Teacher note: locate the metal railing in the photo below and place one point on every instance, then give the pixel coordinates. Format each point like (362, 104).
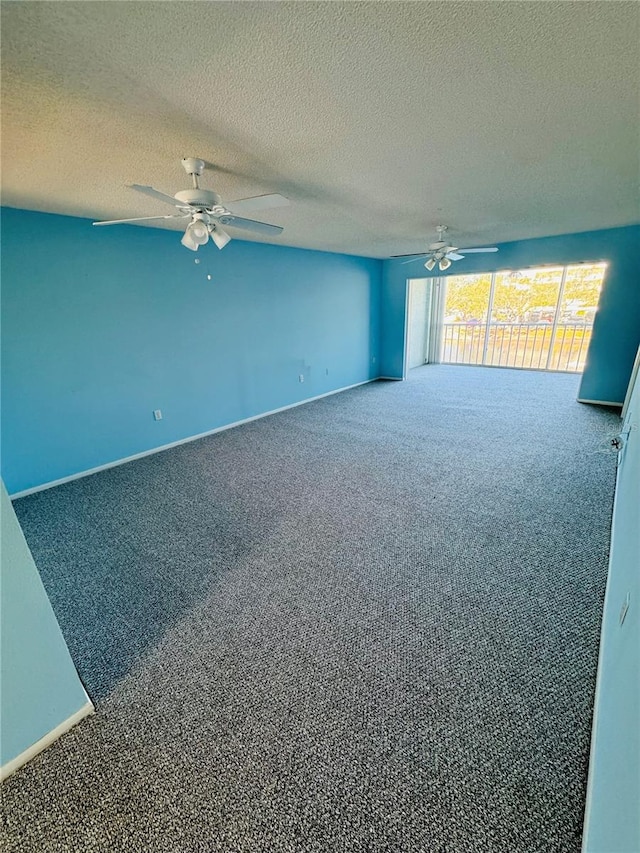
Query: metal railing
(534, 346)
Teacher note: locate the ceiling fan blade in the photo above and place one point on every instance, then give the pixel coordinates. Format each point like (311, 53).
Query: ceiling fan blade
(142, 219)
(258, 202)
(454, 256)
(478, 251)
(251, 225)
(435, 246)
(414, 258)
(169, 199)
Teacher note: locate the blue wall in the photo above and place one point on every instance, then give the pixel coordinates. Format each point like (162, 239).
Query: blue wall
(616, 331)
(394, 295)
(40, 686)
(612, 819)
(103, 325)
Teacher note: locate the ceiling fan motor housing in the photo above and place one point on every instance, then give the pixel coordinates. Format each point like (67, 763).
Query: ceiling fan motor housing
(198, 198)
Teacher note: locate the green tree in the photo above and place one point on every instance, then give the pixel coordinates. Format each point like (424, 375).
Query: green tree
(468, 297)
(518, 295)
(525, 295)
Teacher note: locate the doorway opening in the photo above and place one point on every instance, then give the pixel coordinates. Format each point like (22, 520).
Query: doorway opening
(535, 319)
(419, 327)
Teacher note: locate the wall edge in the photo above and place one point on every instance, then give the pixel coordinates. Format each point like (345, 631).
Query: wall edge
(20, 760)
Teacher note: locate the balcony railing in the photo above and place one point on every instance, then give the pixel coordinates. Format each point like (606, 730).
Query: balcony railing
(534, 346)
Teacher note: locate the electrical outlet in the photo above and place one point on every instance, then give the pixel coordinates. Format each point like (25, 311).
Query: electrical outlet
(301, 377)
(157, 414)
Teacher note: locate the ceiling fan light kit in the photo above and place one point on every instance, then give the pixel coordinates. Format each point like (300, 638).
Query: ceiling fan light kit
(206, 212)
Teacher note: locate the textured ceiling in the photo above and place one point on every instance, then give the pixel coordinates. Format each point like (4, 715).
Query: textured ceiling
(378, 120)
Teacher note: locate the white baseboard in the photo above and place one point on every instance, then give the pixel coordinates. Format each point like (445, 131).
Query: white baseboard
(17, 762)
(393, 378)
(162, 447)
(599, 402)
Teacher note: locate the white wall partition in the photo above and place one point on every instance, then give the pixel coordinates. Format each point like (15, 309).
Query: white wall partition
(612, 817)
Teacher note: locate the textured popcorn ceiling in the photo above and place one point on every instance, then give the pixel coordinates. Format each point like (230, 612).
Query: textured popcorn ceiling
(378, 120)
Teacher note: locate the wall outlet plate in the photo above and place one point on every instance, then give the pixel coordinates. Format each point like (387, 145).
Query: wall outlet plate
(157, 414)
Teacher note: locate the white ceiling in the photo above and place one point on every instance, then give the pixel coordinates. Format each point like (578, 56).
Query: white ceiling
(378, 120)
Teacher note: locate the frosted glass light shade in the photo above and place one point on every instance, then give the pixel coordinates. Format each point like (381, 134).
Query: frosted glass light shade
(196, 235)
(219, 236)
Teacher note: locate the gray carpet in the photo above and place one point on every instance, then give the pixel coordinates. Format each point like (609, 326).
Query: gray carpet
(366, 624)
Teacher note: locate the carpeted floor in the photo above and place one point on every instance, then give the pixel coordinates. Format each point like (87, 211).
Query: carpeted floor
(366, 624)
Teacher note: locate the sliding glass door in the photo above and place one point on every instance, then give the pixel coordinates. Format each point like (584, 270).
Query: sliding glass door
(538, 319)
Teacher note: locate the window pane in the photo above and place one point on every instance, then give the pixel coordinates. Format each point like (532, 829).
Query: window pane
(465, 317)
(577, 311)
(467, 298)
(524, 307)
(526, 296)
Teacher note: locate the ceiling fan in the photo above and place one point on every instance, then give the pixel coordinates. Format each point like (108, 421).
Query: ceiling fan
(442, 252)
(206, 212)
